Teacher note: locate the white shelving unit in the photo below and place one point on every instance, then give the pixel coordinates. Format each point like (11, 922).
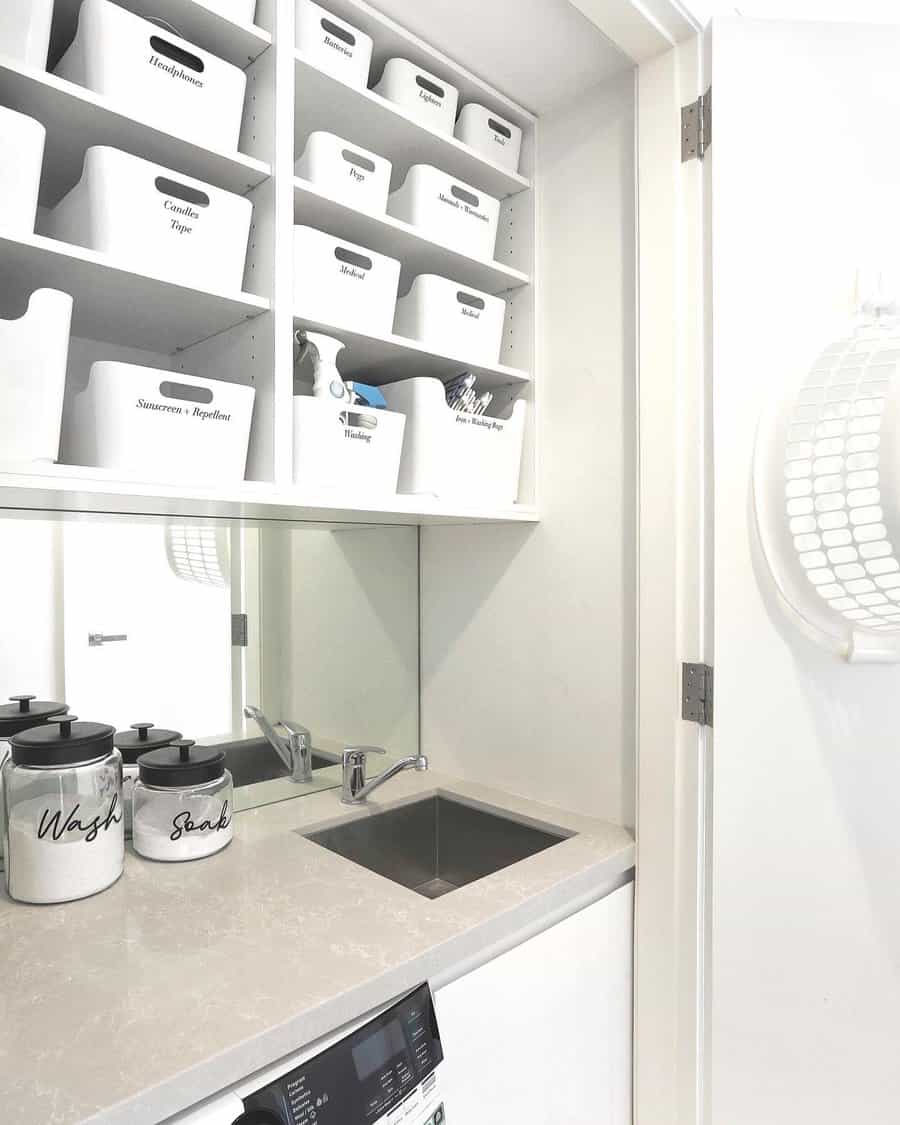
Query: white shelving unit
(247, 337)
(76, 118)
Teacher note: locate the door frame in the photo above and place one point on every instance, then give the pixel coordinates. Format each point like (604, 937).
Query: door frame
(674, 597)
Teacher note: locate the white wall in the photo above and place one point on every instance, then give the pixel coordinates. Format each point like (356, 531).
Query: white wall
(528, 632)
(806, 857)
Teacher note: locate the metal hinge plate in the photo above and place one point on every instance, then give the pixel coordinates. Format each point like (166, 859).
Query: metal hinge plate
(239, 629)
(696, 127)
(697, 694)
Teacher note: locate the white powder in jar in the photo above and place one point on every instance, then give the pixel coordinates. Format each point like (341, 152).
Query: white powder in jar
(60, 850)
(174, 827)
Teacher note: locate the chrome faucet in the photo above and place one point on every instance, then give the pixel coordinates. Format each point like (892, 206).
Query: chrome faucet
(355, 787)
(295, 750)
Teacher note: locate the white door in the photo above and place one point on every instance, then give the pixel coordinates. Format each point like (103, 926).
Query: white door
(157, 602)
(805, 947)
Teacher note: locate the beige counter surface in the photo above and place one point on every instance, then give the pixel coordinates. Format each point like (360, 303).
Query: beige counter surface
(127, 1007)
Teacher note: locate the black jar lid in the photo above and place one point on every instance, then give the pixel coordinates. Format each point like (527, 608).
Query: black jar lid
(24, 711)
(62, 742)
(141, 738)
(181, 765)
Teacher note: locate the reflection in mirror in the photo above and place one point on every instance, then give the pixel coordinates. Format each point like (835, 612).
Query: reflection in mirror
(187, 624)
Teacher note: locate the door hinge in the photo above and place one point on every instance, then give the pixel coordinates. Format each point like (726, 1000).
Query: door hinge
(697, 694)
(239, 630)
(696, 127)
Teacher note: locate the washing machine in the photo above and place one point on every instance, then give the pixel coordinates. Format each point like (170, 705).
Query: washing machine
(385, 1071)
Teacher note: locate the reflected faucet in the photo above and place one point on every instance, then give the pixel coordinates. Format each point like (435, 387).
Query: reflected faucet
(295, 750)
(355, 788)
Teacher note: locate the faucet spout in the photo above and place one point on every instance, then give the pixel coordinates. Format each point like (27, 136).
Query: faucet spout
(355, 788)
(295, 751)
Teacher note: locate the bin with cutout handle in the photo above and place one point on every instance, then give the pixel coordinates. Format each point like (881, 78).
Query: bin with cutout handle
(333, 45)
(490, 134)
(155, 220)
(156, 76)
(342, 284)
(452, 319)
(153, 425)
(424, 96)
(342, 170)
(448, 210)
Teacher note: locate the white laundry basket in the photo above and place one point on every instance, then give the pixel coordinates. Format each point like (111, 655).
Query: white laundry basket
(349, 449)
(344, 284)
(449, 454)
(34, 350)
(158, 425)
(22, 144)
(155, 76)
(344, 171)
(25, 30)
(490, 134)
(452, 319)
(422, 95)
(448, 210)
(333, 45)
(151, 218)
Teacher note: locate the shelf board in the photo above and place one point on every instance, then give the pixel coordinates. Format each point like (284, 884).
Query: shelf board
(367, 119)
(386, 359)
(69, 488)
(387, 235)
(76, 118)
(194, 20)
(113, 303)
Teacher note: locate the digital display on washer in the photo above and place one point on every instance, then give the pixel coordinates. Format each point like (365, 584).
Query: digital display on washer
(361, 1078)
(379, 1048)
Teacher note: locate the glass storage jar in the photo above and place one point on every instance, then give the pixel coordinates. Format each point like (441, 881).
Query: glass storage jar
(141, 738)
(182, 803)
(64, 836)
(22, 712)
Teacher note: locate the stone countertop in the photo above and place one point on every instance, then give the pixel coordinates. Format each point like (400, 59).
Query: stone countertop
(124, 1008)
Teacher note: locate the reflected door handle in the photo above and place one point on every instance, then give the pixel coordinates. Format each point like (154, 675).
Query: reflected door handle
(95, 639)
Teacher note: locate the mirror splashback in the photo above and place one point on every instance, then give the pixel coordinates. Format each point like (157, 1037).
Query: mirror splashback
(183, 623)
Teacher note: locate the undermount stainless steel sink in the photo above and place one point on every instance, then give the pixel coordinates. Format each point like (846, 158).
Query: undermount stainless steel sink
(436, 845)
(254, 760)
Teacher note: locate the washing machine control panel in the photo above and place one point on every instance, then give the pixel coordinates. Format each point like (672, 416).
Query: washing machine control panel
(384, 1072)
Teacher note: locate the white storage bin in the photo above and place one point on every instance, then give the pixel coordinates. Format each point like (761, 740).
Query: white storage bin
(156, 76)
(344, 284)
(332, 45)
(159, 425)
(447, 210)
(452, 319)
(22, 144)
(449, 454)
(490, 134)
(424, 96)
(349, 449)
(345, 171)
(25, 30)
(153, 219)
(33, 354)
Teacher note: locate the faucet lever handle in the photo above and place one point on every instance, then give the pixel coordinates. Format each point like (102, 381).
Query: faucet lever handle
(296, 730)
(357, 754)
